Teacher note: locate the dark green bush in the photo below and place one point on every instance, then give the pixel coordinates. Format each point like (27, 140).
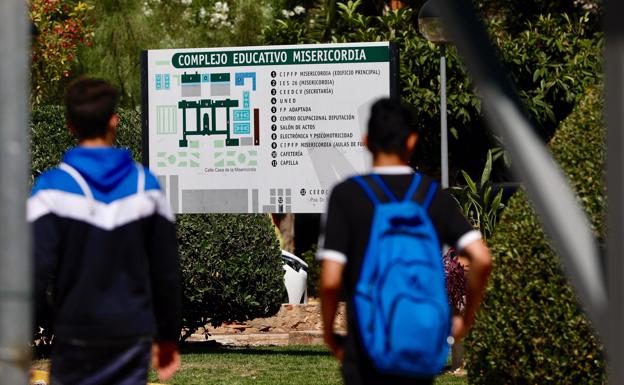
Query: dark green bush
(49, 137)
(530, 329)
(314, 271)
(231, 266)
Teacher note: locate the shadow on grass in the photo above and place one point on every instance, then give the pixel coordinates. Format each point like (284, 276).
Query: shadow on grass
(210, 347)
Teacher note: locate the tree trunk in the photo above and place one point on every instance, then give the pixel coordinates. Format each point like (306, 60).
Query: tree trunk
(287, 228)
(397, 4)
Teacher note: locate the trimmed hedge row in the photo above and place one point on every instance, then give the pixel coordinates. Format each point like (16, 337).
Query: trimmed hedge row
(530, 329)
(231, 266)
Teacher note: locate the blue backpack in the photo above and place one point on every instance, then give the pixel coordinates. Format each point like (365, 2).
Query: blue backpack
(400, 299)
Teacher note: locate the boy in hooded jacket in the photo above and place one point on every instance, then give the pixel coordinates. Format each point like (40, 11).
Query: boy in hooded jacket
(106, 258)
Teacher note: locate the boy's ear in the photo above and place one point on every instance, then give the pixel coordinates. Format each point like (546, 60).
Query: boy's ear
(365, 141)
(113, 121)
(412, 140)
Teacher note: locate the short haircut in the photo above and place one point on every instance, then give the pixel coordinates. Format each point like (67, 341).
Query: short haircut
(389, 126)
(89, 105)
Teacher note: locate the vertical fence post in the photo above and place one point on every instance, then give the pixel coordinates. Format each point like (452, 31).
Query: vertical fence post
(15, 257)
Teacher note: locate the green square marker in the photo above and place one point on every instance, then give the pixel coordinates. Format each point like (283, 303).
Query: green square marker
(225, 77)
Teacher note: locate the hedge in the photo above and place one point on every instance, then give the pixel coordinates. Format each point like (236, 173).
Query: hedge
(531, 329)
(231, 266)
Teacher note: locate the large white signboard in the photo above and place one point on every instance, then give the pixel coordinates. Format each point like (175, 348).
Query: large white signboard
(260, 129)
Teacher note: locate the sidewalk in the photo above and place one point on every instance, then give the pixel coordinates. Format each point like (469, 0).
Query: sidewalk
(292, 325)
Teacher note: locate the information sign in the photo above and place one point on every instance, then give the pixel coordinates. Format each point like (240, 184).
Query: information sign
(260, 129)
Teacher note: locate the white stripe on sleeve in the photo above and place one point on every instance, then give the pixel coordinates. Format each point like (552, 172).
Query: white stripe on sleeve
(331, 255)
(466, 239)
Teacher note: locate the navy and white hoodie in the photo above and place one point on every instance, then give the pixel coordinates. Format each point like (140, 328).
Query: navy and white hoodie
(111, 246)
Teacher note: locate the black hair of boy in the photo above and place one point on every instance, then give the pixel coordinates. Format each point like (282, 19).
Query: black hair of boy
(389, 126)
(89, 105)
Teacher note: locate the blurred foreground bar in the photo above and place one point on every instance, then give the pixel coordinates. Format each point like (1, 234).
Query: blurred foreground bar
(15, 257)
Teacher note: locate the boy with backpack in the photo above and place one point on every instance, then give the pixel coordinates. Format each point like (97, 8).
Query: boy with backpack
(381, 245)
(105, 250)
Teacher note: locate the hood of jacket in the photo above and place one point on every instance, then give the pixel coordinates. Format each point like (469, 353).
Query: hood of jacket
(102, 167)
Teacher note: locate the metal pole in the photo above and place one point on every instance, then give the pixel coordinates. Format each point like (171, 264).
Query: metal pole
(443, 124)
(614, 86)
(15, 257)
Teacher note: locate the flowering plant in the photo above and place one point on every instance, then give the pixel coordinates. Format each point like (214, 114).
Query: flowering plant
(455, 281)
(62, 27)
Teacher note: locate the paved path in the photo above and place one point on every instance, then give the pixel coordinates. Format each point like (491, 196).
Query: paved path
(305, 337)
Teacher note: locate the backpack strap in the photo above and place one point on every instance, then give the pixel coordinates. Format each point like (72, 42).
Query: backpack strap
(433, 187)
(375, 188)
(421, 192)
(411, 191)
(379, 181)
(367, 189)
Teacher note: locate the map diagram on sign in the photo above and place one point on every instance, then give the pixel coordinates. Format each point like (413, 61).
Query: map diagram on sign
(214, 107)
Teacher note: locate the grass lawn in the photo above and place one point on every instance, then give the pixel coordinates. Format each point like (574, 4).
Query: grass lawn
(289, 365)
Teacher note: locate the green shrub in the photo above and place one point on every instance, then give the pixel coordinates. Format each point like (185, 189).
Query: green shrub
(231, 266)
(49, 137)
(530, 329)
(314, 271)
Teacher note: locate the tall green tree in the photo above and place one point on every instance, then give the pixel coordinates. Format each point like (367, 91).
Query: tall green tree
(120, 35)
(124, 28)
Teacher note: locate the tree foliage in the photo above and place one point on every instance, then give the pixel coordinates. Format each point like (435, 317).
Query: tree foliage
(127, 27)
(63, 26)
(550, 62)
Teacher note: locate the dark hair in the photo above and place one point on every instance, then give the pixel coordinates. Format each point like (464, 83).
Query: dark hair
(89, 105)
(389, 126)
